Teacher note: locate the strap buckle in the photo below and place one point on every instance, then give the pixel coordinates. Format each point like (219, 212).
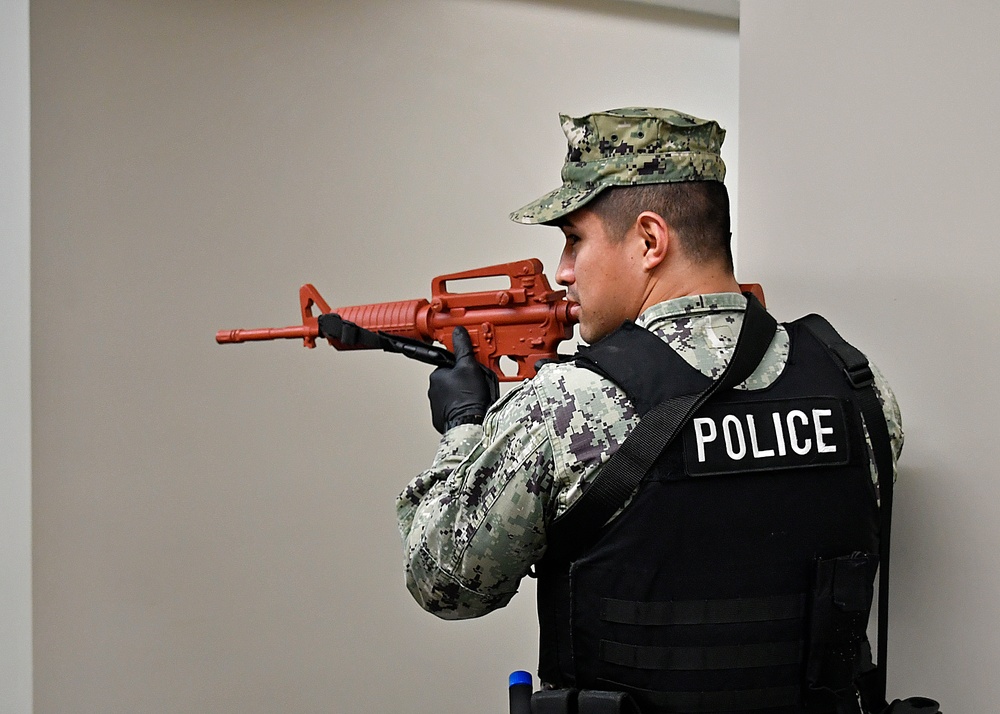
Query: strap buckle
(859, 375)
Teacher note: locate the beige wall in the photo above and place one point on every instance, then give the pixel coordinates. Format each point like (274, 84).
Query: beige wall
(869, 164)
(15, 356)
(214, 526)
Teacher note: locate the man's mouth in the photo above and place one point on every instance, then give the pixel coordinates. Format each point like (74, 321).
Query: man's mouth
(574, 306)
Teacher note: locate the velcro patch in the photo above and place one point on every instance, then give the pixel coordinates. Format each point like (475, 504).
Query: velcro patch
(768, 435)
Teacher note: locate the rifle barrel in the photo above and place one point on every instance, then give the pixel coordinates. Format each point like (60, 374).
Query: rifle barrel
(224, 337)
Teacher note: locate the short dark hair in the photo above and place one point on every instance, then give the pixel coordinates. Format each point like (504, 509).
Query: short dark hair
(697, 210)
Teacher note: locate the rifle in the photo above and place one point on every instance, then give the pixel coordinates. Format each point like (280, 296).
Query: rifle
(524, 321)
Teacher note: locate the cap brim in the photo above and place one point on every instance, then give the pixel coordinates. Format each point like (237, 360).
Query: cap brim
(556, 204)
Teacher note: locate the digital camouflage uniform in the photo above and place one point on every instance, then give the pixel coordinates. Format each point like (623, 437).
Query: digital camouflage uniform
(475, 522)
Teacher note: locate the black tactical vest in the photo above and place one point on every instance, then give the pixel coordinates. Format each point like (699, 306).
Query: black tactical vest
(739, 577)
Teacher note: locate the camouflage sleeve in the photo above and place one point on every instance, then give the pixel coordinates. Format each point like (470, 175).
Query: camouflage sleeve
(474, 523)
(893, 418)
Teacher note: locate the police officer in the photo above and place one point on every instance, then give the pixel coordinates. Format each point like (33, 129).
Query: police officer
(715, 586)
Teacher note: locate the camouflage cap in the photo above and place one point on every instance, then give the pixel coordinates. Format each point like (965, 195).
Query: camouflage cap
(625, 147)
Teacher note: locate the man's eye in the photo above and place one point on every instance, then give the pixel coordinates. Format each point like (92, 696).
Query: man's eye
(572, 239)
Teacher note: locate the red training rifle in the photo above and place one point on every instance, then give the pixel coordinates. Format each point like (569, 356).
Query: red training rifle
(524, 321)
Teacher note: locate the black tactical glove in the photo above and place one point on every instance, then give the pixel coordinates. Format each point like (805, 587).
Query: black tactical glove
(461, 394)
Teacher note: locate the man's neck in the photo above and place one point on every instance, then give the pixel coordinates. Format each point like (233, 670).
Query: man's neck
(703, 280)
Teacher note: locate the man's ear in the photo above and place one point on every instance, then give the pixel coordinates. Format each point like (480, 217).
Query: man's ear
(657, 238)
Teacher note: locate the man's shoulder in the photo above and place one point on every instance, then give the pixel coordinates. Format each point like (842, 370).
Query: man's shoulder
(567, 379)
(574, 399)
(554, 394)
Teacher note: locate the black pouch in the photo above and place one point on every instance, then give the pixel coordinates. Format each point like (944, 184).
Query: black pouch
(872, 702)
(593, 701)
(584, 701)
(839, 607)
(914, 705)
(554, 701)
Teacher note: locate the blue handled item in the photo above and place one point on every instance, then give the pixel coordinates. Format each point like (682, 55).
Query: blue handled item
(520, 692)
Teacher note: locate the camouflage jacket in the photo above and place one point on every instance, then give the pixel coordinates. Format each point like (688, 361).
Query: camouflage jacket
(475, 521)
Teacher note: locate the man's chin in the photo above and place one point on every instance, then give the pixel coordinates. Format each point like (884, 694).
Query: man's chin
(589, 334)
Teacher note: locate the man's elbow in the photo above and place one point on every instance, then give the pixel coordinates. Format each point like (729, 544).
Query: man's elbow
(452, 601)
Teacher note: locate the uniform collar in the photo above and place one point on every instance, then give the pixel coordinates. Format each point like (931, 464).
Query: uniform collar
(691, 305)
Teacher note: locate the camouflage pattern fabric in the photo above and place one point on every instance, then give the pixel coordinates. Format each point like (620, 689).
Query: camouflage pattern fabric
(475, 522)
(626, 147)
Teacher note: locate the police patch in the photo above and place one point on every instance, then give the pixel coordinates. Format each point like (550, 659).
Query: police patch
(768, 435)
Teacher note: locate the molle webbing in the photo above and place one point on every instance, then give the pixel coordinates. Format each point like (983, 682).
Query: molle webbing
(703, 612)
(733, 611)
(733, 700)
(760, 654)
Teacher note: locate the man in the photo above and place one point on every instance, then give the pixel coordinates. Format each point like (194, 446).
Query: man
(696, 595)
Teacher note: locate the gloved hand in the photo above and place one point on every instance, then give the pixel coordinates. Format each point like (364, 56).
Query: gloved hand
(461, 394)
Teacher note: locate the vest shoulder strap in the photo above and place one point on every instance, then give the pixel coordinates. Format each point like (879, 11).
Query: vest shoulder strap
(614, 484)
(859, 374)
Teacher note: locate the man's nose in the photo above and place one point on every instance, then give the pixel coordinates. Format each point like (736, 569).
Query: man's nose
(564, 273)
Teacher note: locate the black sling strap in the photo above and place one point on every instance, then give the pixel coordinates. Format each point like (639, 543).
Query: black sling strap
(859, 374)
(627, 467)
